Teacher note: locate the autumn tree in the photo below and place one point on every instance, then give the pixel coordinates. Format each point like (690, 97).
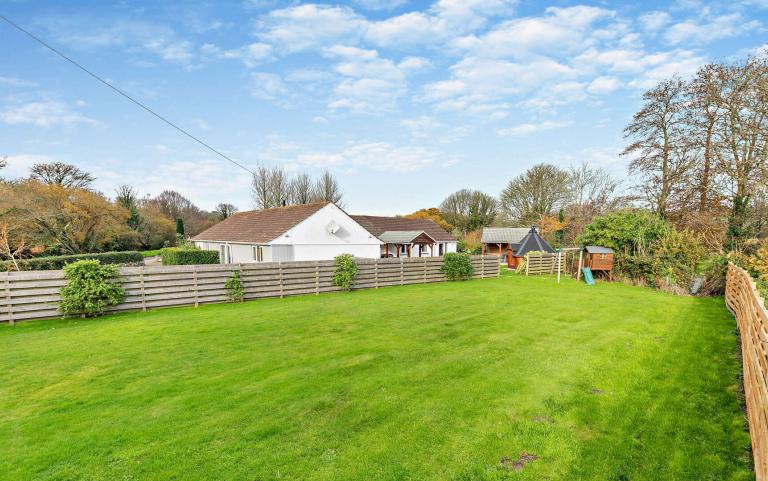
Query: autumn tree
(590, 191)
(539, 191)
(59, 173)
(175, 206)
(469, 210)
(433, 214)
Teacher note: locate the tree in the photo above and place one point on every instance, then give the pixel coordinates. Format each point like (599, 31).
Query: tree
(301, 189)
(590, 191)
(469, 210)
(703, 116)
(67, 220)
(180, 227)
(537, 192)
(222, 211)
(270, 187)
(59, 173)
(127, 197)
(433, 214)
(741, 93)
(175, 206)
(327, 189)
(661, 149)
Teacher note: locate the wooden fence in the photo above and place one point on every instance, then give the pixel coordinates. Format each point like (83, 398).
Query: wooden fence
(543, 263)
(748, 307)
(35, 294)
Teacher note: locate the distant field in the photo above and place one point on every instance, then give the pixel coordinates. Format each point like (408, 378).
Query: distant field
(510, 378)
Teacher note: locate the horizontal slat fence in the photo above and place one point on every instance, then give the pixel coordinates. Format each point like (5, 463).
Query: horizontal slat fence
(543, 263)
(35, 294)
(745, 302)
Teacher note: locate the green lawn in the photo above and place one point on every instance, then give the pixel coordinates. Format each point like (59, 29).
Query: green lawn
(152, 253)
(451, 381)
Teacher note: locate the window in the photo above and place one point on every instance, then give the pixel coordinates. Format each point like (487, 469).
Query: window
(402, 249)
(258, 254)
(440, 249)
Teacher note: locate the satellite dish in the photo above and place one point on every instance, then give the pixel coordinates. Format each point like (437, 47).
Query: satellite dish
(332, 228)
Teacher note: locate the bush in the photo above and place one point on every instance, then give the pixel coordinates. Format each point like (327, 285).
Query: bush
(127, 258)
(345, 271)
(235, 288)
(91, 286)
(457, 266)
(174, 256)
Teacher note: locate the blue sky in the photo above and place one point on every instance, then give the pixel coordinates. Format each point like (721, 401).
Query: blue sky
(404, 101)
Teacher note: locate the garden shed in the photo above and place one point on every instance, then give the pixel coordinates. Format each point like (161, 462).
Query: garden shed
(532, 242)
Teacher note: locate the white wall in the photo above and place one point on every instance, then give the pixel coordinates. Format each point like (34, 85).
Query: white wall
(311, 239)
(239, 253)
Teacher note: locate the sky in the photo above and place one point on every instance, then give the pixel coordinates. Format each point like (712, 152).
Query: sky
(403, 101)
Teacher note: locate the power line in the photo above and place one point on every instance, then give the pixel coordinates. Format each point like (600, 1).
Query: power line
(73, 62)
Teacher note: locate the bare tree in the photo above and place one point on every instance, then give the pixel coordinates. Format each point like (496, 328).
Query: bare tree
(3, 161)
(327, 189)
(591, 191)
(59, 173)
(539, 191)
(469, 210)
(742, 134)
(661, 149)
(126, 196)
(301, 189)
(222, 211)
(11, 249)
(270, 187)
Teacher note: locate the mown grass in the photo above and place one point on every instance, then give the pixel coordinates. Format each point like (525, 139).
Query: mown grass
(151, 253)
(428, 382)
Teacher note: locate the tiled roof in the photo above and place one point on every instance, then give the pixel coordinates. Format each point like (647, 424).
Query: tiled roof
(259, 226)
(504, 235)
(378, 225)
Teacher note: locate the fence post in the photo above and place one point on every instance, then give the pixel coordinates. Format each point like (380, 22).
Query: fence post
(280, 273)
(8, 298)
(376, 273)
(527, 263)
(317, 277)
(143, 294)
(425, 269)
(194, 284)
(402, 271)
(482, 267)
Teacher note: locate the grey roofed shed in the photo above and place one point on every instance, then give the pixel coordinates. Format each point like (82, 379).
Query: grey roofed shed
(503, 235)
(401, 236)
(532, 242)
(598, 250)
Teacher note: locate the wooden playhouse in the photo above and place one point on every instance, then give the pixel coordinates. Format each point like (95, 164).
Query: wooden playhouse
(599, 260)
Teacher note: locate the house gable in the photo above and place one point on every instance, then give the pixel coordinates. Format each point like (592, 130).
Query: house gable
(329, 225)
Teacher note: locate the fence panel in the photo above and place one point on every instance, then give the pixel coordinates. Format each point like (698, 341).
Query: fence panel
(544, 263)
(35, 294)
(747, 306)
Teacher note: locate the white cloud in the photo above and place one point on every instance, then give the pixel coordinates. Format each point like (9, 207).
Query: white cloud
(320, 120)
(19, 164)
(380, 4)
(15, 82)
(268, 86)
(559, 30)
(377, 156)
(251, 55)
(420, 127)
(653, 21)
(604, 84)
(722, 26)
(43, 114)
(309, 26)
(414, 63)
(532, 128)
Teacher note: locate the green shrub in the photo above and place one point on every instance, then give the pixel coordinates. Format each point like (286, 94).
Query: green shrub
(128, 258)
(345, 271)
(235, 288)
(91, 286)
(457, 266)
(174, 256)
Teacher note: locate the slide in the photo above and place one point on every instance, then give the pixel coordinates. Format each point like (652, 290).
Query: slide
(588, 276)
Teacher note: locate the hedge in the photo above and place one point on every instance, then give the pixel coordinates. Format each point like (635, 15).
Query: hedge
(129, 258)
(174, 256)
